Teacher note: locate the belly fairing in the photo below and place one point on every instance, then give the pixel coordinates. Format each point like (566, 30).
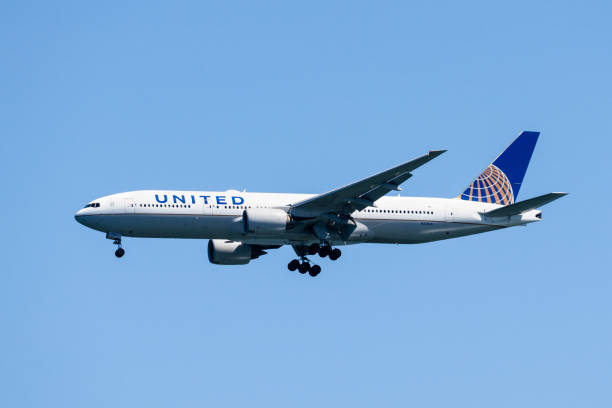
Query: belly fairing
(231, 227)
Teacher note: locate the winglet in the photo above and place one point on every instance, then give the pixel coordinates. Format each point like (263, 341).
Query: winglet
(436, 153)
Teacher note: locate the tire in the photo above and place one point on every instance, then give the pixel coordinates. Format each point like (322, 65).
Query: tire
(303, 268)
(313, 249)
(324, 251)
(293, 265)
(335, 254)
(314, 270)
(119, 252)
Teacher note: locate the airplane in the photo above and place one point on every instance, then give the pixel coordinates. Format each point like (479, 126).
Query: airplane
(242, 226)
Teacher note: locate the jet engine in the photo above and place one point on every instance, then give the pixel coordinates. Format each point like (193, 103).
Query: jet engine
(225, 252)
(265, 221)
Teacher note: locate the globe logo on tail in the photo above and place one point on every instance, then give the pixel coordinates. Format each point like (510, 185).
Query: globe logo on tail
(492, 186)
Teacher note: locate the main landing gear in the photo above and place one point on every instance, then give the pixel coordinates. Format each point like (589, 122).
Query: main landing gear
(302, 265)
(116, 241)
(324, 250)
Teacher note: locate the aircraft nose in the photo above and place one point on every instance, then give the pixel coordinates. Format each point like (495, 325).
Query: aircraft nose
(80, 217)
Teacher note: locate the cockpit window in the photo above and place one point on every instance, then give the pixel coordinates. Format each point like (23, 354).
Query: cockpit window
(93, 205)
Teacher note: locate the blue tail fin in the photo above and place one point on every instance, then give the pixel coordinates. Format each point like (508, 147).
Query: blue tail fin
(501, 181)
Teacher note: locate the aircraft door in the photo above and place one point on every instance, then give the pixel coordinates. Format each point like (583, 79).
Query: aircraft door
(450, 214)
(130, 205)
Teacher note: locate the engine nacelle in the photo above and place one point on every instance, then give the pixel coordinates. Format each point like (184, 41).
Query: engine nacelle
(265, 221)
(225, 252)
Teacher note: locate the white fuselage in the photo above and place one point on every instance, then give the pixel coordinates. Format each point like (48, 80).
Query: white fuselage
(218, 215)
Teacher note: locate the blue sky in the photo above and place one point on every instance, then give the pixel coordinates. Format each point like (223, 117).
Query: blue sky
(270, 96)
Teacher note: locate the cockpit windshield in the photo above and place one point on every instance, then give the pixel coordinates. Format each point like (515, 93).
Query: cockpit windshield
(93, 205)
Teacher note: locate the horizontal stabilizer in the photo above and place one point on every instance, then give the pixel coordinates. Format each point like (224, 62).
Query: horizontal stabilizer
(522, 206)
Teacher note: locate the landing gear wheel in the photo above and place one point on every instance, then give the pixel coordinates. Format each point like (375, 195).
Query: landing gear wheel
(119, 252)
(293, 265)
(335, 254)
(313, 249)
(304, 267)
(324, 251)
(314, 270)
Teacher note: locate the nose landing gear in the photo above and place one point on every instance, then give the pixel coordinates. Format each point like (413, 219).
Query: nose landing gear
(116, 241)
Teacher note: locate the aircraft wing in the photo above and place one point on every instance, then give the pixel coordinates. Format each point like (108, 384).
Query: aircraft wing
(362, 193)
